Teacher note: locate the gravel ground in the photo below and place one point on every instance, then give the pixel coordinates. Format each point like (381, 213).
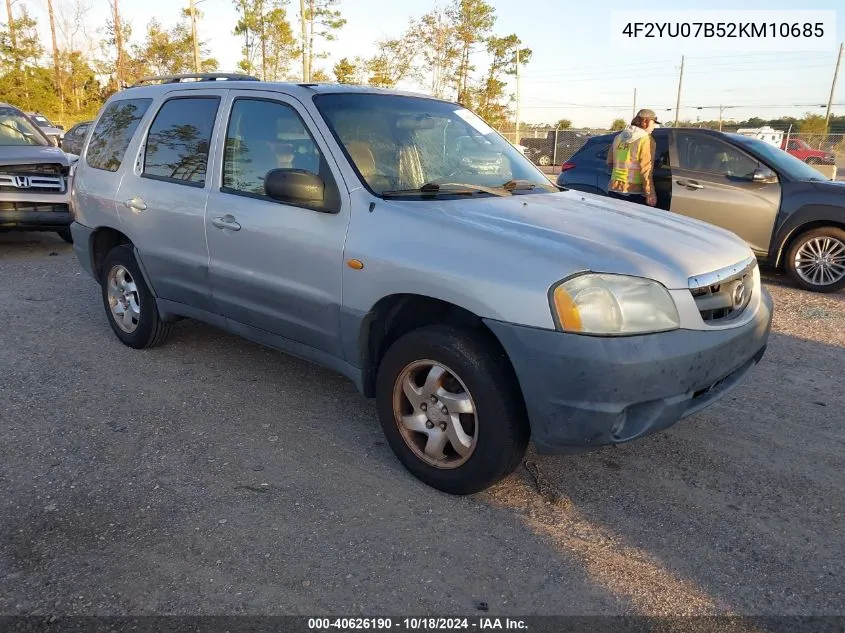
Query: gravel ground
(214, 476)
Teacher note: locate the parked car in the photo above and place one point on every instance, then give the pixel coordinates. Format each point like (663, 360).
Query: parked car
(478, 312)
(75, 137)
(34, 188)
(785, 210)
(799, 148)
(55, 133)
(557, 147)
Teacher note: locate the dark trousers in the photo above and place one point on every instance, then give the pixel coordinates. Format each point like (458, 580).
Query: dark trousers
(636, 198)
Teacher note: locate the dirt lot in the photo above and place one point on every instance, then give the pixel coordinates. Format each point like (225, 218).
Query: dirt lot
(215, 476)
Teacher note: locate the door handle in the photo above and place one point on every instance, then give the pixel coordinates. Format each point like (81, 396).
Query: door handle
(226, 222)
(689, 183)
(136, 204)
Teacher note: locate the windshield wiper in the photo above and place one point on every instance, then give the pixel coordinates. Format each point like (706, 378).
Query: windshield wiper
(446, 189)
(519, 185)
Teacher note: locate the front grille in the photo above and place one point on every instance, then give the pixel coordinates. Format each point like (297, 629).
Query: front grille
(48, 169)
(32, 179)
(723, 295)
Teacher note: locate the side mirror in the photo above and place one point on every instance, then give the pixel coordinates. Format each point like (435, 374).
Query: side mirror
(295, 186)
(764, 175)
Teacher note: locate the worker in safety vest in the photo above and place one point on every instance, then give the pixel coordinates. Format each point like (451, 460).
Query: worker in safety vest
(631, 158)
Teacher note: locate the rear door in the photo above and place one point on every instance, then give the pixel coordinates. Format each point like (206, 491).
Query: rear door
(712, 181)
(162, 197)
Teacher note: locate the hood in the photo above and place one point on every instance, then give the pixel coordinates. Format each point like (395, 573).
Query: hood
(32, 154)
(591, 232)
(632, 133)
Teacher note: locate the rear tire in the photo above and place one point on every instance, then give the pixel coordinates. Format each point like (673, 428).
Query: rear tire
(129, 304)
(816, 260)
(473, 376)
(544, 161)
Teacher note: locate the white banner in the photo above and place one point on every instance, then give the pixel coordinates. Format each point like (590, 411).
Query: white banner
(693, 31)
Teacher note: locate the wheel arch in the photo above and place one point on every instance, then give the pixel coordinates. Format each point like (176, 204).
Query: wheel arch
(395, 315)
(810, 222)
(103, 240)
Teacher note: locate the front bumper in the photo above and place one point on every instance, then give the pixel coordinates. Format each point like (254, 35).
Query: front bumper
(582, 392)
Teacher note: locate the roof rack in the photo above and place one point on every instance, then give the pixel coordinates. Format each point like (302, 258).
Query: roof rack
(175, 79)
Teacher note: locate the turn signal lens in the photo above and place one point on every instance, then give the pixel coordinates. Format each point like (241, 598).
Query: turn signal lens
(567, 311)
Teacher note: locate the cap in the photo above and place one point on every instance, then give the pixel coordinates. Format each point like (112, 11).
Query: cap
(645, 113)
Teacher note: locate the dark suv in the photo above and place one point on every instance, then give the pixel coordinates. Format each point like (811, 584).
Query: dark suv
(789, 214)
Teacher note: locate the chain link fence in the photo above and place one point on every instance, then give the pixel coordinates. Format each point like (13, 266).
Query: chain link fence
(550, 147)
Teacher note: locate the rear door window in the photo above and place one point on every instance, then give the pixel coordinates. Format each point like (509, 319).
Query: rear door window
(179, 139)
(114, 132)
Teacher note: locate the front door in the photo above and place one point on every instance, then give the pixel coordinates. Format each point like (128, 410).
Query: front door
(162, 198)
(712, 181)
(276, 266)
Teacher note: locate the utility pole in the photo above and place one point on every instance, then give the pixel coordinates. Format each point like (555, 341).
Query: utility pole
(56, 71)
(118, 40)
(311, 17)
(635, 104)
(12, 36)
(516, 139)
(305, 70)
(721, 109)
(263, 47)
(833, 88)
(678, 102)
(194, 37)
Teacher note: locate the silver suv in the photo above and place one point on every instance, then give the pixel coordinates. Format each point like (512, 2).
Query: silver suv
(399, 240)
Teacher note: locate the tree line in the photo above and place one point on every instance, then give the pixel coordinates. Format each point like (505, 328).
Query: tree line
(454, 50)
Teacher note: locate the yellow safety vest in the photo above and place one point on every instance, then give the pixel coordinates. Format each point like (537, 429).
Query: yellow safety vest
(624, 168)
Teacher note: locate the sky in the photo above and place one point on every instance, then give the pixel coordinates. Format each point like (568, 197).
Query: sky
(575, 72)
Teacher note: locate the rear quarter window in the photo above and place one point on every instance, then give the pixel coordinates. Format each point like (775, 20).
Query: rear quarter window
(601, 150)
(114, 132)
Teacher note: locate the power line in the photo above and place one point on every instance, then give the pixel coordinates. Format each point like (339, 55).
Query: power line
(732, 62)
(607, 75)
(616, 68)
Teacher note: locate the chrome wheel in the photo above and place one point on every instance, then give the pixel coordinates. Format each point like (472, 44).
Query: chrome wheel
(435, 414)
(123, 299)
(821, 261)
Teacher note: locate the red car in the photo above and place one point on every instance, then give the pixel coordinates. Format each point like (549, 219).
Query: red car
(800, 149)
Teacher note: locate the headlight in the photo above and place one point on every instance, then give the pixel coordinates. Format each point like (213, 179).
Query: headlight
(612, 305)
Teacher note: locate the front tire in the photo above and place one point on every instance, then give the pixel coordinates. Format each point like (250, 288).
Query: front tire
(451, 409)
(816, 260)
(129, 304)
(813, 160)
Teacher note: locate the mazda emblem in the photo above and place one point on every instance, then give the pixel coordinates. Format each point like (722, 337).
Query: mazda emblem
(738, 294)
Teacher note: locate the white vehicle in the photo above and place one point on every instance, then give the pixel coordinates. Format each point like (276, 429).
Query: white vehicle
(766, 134)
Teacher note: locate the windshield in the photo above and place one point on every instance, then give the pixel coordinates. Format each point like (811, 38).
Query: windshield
(793, 167)
(398, 144)
(16, 129)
